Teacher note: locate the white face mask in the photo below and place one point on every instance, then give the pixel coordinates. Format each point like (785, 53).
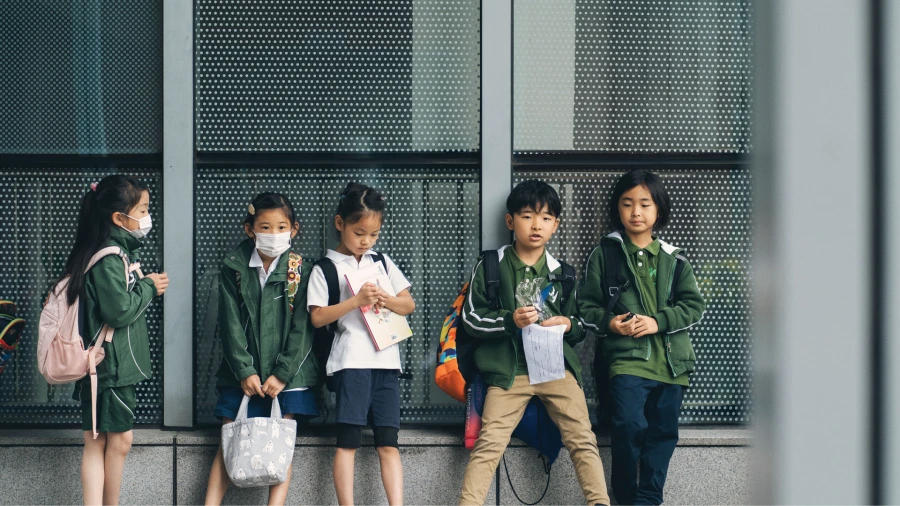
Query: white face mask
(144, 226)
(273, 245)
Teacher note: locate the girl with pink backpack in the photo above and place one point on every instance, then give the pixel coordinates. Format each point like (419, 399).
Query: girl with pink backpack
(113, 302)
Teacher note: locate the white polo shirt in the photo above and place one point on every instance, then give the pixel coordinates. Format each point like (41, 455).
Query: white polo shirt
(353, 347)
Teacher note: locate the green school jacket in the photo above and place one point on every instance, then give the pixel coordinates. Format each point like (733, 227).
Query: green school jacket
(122, 304)
(496, 356)
(674, 320)
(259, 333)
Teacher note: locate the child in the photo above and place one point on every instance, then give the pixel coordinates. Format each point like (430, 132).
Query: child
(645, 339)
(114, 212)
(365, 380)
(534, 208)
(266, 343)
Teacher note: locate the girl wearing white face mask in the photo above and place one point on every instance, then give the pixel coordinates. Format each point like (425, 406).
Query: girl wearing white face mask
(265, 329)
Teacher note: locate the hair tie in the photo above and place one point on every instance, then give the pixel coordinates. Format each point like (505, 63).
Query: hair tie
(342, 197)
(94, 186)
(251, 210)
(383, 197)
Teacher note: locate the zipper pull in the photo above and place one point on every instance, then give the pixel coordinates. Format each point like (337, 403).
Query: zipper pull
(669, 346)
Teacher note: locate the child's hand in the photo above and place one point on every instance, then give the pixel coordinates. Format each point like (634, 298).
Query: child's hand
(621, 327)
(557, 320)
(383, 298)
(525, 316)
(273, 386)
(367, 295)
(250, 385)
(646, 325)
(160, 280)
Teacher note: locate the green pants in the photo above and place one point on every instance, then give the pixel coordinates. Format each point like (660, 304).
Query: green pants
(115, 408)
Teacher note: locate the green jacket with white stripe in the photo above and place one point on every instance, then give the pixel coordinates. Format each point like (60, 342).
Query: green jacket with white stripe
(674, 317)
(260, 335)
(122, 304)
(496, 356)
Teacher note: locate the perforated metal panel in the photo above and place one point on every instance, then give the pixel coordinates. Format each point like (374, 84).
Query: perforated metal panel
(632, 76)
(431, 231)
(38, 224)
(337, 75)
(711, 213)
(81, 76)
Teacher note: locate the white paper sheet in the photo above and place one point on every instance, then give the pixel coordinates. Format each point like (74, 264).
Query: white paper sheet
(544, 353)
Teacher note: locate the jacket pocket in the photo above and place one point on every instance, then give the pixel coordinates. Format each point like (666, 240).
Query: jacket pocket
(615, 346)
(682, 349)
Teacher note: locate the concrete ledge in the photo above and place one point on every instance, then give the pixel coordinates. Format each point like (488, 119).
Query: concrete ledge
(444, 436)
(711, 466)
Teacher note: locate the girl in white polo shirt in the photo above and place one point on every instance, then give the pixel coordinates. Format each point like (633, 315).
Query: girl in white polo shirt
(365, 380)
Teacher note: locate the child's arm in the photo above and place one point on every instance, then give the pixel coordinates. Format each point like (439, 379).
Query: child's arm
(689, 304)
(480, 320)
(324, 315)
(403, 304)
(118, 306)
(297, 348)
(592, 301)
(231, 328)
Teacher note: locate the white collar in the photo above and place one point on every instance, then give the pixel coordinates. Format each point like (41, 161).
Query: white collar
(336, 257)
(256, 261)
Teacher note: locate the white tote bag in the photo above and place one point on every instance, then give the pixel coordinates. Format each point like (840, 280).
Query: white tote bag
(258, 451)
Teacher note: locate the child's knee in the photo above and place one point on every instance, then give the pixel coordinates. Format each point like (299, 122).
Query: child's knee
(386, 437)
(120, 442)
(349, 437)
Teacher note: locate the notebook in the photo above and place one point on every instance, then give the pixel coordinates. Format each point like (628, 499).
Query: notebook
(386, 327)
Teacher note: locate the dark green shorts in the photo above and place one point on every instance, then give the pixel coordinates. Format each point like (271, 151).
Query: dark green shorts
(115, 408)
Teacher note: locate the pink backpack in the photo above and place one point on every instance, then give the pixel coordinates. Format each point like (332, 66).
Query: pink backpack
(61, 355)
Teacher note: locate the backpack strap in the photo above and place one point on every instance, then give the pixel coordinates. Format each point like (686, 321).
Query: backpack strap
(105, 331)
(491, 264)
(295, 264)
(331, 280)
(377, 256)
(567, 279)
(680, 260)
(616, 284)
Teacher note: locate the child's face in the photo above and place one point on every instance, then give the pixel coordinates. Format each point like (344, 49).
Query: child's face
(638, 211)
(130, 222)
(533, 228)
(359, 237)
(271, 221)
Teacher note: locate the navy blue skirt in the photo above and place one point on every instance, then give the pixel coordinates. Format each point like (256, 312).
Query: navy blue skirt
(301, 404)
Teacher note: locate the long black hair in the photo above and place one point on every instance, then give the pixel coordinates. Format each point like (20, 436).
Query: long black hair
(358, 200)
(114, 194)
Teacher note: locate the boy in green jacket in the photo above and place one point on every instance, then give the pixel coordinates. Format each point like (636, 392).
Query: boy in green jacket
(534, 208)
(644, 338)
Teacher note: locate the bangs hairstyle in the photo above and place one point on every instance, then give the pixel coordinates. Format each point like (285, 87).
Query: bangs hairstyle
(534, 194)
(270, 200)
(640, 177)
(113, 194)
(358, 200)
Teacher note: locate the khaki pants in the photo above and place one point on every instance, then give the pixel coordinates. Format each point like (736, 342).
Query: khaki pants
(503, 409)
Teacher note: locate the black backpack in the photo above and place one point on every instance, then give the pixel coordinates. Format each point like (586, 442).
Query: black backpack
(616, 284)
(324, 336)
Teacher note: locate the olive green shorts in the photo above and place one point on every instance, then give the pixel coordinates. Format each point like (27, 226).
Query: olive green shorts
(115, 408)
